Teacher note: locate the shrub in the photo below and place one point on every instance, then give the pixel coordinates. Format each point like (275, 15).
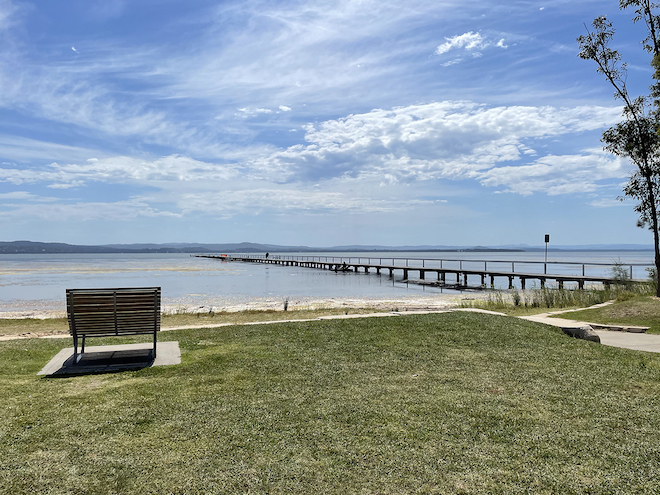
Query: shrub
(621, 275)
(653, 278)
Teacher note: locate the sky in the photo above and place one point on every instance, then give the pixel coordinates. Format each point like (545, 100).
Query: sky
(318, 123)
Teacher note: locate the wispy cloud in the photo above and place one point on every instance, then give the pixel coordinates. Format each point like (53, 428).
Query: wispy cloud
(84, 211)
(497, 147)
(8, 9)
(191, 112)
(555, 175)
(608, 203)
(470, 42)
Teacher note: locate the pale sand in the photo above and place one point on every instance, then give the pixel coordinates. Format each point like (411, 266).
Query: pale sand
(404, 303)
(421, 303)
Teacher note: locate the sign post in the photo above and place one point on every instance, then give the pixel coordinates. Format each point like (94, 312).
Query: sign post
(545, 263)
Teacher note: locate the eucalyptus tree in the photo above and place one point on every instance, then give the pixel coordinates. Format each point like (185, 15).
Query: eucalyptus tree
(637, 136)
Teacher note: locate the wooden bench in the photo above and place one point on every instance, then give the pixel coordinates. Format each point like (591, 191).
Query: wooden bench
(112, 312)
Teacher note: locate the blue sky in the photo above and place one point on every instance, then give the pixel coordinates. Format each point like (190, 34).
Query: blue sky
(310, 122)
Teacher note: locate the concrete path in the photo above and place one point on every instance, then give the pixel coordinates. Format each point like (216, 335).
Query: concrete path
(555, 322)
(634, 339)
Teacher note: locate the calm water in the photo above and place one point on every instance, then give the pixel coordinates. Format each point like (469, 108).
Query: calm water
(38, 282)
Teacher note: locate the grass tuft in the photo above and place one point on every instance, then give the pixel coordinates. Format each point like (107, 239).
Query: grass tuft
(537, 300)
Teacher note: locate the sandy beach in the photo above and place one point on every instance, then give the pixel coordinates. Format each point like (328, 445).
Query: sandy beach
(403, 303)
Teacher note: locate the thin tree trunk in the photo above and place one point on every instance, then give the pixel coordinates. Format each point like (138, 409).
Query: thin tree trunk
(656, 234)
(656, 238)
(656, 245)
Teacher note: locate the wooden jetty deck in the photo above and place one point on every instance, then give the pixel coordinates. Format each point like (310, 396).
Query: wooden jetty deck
(443, 273)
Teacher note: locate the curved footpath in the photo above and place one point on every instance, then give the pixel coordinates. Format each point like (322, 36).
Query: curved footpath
(627, 337)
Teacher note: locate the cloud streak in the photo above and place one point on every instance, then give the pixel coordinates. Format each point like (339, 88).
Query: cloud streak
(497, 147)
(470, 42)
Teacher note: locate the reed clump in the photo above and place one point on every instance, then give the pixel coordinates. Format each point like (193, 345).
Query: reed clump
(550, 298)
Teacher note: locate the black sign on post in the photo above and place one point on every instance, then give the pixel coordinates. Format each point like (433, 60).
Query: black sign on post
(545, 263)
(547, 237)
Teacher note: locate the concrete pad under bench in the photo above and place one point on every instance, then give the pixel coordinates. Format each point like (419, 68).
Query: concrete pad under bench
(112, 358)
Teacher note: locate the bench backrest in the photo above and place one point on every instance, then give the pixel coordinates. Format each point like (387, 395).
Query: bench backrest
(97, 312)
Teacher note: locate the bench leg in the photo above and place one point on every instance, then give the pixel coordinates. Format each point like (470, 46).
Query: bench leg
(154, 345)
(78, 357)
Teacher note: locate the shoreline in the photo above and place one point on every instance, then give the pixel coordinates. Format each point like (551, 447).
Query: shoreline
(404, 303)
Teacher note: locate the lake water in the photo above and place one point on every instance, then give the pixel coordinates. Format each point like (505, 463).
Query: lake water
(38, 282)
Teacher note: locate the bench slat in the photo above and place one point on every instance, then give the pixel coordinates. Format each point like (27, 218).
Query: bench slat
(97, 312)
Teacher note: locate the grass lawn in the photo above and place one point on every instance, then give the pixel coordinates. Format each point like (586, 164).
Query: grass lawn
(641, 311)
(450, 403)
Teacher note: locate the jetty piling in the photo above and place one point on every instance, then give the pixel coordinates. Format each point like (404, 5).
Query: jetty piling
(441, 269)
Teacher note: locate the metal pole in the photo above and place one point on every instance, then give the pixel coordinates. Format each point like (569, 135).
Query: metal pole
(545, 263)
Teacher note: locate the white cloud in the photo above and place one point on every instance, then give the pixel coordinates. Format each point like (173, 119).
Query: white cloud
(437, 140)
(17, 195)
(470, 42)
(286, 199)
(253, 112)
(284, 108)
(608, 203)
(84, 211)
(554, 175)
(7, 11)
(122, 170)
(497, 147)
(452, 62)
(23, 150)
(68, 185)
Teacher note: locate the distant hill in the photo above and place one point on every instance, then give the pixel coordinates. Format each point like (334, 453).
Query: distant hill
(30, 247)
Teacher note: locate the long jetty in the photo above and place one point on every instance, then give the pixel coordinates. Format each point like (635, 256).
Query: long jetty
(439, 269)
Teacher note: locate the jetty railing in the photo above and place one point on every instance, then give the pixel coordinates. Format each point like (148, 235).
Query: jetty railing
(634, 271)
(461, 269)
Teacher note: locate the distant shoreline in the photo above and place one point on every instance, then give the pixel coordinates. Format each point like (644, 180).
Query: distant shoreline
(30, 247)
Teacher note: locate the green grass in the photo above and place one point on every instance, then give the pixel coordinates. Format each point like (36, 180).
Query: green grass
(640, 310)
(451, 403)
(33, 326)
(239, 317)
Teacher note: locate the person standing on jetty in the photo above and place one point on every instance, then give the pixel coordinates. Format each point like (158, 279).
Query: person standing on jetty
(266, 255)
